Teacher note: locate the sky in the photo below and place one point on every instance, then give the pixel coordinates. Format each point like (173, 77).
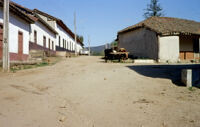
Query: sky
(102, 19)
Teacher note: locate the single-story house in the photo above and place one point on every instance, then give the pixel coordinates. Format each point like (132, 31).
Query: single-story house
(163, 39)
(19, 27)
(65, 37)
(42, 35)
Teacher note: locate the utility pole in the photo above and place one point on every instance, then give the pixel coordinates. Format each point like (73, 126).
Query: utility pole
(89, 44)
(75, 33)
(6, 56)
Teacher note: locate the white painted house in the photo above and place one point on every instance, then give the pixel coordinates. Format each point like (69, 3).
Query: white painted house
(35, 30)
(163, 39)
(65, 37)
(19, 28)
(42, 35)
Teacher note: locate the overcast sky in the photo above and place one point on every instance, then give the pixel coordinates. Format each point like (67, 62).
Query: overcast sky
(101, 19)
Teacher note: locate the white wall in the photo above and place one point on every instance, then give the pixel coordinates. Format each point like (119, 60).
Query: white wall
(16, 24)
(64, 35)
(169, 49)
(42, 31)
(140, 43)
(79, 47)
(70, 42)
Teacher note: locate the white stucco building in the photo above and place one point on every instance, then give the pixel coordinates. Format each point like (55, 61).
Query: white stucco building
(163, 39)
(35, 30)
(65, 39)
(19, 28)
(42, 36)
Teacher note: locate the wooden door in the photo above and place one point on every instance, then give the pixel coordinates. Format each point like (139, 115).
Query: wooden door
(186, 55)
(1, 41)
(20, 45)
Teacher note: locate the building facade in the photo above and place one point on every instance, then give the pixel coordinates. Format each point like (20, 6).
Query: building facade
(19, 28)
(65, 37)
(163, 39)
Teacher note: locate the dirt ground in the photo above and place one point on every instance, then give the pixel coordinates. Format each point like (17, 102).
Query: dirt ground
(86, 92)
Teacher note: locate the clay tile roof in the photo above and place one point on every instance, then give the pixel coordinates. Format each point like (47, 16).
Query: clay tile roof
(30, 13)
(60, 22)
(18, 12)
(167, 25)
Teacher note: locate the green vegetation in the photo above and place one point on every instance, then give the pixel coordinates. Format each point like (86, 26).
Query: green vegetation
(191, 89)
(24, 67)
(114, 44)
(153, 9)
(46, 62)
(98, 53)
(81, 38)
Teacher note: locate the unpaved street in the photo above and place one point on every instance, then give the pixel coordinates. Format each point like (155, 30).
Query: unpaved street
(86, 92)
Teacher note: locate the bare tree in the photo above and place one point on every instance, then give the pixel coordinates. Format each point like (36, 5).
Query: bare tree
(153, 9)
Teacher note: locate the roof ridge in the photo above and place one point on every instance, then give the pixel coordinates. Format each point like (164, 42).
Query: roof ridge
(163, 25)
(16, 4)
(176, 18)
(46, 14)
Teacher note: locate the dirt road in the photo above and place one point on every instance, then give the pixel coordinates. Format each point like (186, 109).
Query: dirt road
(85, 92)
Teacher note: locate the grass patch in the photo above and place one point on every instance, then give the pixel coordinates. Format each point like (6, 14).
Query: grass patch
(46, 62)
(191, 89)
(42, 64)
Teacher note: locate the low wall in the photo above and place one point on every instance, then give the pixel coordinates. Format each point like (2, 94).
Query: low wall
(34, 46)
(191, 77)
(63, 49)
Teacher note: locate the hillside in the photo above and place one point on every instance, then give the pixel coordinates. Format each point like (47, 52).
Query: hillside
(97, 50)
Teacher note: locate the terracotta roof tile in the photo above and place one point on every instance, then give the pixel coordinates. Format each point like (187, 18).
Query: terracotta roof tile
(167, 25)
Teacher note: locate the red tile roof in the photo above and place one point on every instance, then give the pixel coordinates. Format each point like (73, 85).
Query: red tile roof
(59, 22)
(167, 25)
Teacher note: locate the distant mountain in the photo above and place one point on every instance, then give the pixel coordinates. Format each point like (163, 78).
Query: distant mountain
(97, 50)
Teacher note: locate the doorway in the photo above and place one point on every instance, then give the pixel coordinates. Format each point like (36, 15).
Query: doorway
(20, 45)
(1, 41)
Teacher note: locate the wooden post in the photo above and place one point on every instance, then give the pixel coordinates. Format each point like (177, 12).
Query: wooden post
(89, 45)
(75, 33)
(6, 58)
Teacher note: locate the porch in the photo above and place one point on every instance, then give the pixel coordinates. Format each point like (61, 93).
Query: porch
(189, 47)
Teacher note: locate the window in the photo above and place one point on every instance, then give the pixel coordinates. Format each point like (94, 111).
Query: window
(63, 43)
(59, 41)
(35, 36)
(49, 43)
(20, 44)
(70, 46)
(44, 41)
(52, 45)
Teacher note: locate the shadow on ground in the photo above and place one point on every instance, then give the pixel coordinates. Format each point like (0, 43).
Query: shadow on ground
(172, 72)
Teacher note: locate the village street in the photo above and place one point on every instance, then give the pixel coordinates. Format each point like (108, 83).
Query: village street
(86, 92)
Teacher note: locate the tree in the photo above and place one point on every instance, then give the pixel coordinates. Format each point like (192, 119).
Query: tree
(114, 43)
(80, 38)
(153, 9)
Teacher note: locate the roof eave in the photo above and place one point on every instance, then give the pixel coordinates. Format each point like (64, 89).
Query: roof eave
(47, 25)
(138, 27)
